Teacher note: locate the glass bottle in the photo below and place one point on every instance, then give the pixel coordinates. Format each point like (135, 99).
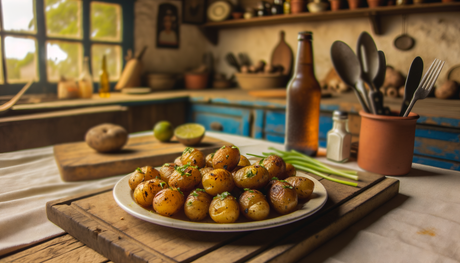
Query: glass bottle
(104, 84)
(287, 7)
(303, 101)
(277, 7)
(339, 138)
(85, 81)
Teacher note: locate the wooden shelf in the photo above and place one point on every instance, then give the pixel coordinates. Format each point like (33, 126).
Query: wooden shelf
(210, 29)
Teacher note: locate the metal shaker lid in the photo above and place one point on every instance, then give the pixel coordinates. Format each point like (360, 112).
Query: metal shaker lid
(341, 115)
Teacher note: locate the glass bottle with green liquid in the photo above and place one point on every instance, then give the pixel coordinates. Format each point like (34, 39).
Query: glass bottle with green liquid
(104, 84)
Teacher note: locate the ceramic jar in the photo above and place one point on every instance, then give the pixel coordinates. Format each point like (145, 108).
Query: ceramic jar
(386, 143)
(335, 4)
(298, 6)
(353, 4)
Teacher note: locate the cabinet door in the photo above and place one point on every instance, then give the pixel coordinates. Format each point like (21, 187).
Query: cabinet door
(275, 126)
(219, 118)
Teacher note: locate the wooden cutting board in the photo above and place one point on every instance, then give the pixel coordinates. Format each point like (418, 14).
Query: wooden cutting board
(78, 162)
(282, 55)
(96, 220)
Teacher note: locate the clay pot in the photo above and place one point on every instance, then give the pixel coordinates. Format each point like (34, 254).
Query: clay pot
(374, 3)
(196, 81)
(353, 4)
(386, 143)
(298, 6)
(448, 1)
(335, 5)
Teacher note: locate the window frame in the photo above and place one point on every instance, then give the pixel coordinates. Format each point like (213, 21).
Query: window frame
(45, 87)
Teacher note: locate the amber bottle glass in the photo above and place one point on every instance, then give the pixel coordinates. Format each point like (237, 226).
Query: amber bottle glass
(104, 84)
(303, 101)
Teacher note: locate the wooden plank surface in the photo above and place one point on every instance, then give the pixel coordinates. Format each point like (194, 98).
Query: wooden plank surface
(77, 161)
(97, 221)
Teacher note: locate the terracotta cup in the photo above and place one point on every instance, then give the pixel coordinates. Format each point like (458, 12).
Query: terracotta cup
(298, 6)
(353, 4)
(335, 5)
(386, 143)
(374, 3)
(196, 81)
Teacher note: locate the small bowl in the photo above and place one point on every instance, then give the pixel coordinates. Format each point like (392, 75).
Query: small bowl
(249, 81)
(196, 80)
(317, 7)
(161, 81)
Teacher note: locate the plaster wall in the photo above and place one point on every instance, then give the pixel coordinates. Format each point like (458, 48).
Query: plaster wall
(437, 35)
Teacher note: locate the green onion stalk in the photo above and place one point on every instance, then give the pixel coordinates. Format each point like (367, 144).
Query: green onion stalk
(311, 165)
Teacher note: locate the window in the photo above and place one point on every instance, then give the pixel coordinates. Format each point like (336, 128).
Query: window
(46, 40)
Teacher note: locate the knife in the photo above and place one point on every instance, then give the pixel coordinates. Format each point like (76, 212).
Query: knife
(413, 79)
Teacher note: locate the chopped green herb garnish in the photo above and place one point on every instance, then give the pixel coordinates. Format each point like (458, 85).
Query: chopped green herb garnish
(178, 189)
(188, 150)
(223, 195)
(249, 190)
(162, 184)
(200, 190)
(223, 147)
(189, 203)
(166, 164)
(212, 155)
(250, 174)
(287, 186)
(234, 147)
(226, 156)
(139, 170)
(275, 178)
(194, 193)
(181, 169)
(261, 163)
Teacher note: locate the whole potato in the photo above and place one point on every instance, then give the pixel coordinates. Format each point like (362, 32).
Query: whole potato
(253, 177)
(253, 205)
(226, 158)
(193, 157)
(224, 208)
(290, 170)
(168, 201)
(106, 137)
(166, 171)
(146, 191)
(276, 166)
(283, 197)
(218, 181)
(302, 185)
(243, 161)
(142, 174)
(208, 159)
(185, 178)
(197, 204)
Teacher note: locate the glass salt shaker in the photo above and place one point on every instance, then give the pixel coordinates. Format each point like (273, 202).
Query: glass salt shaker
(339, 138)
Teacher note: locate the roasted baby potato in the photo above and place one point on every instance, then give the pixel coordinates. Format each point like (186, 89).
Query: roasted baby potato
(193, 157)
(166, 171)
(224, 208)
(243, 161)
(253, 177)
(276, 166)
(197, 204)
(290, 170)
(302, 185)
(226, 158)
(142, 174)
(168, 201)
(282, 197)
(146, 191)
(253, 205)
(218, 181)
(205, 170)
(185, 177)
(208, 159)
(178, 161)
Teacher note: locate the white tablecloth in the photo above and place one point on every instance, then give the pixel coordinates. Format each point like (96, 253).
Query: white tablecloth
(422, 224)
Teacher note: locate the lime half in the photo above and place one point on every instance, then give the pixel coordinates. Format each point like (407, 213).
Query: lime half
(190, 134)
(163, 131)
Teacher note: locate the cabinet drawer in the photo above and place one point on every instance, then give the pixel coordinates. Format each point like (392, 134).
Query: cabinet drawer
(223, 119)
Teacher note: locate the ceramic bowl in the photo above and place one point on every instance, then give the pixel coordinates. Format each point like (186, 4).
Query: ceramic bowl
(317, 7)
(248, 81)
(161, 81)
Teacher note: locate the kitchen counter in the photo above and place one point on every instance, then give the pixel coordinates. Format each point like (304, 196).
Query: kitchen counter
(421, 224)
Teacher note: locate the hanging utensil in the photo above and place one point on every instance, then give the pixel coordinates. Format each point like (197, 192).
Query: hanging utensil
(412, 81)
(231, 60)
(368, 58)
(404, 41)
(346, 65)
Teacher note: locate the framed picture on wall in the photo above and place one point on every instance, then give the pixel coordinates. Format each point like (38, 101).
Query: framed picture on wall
(168, 26)
(194, 11)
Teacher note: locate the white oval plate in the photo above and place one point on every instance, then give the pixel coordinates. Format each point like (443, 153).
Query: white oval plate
(124, 197)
